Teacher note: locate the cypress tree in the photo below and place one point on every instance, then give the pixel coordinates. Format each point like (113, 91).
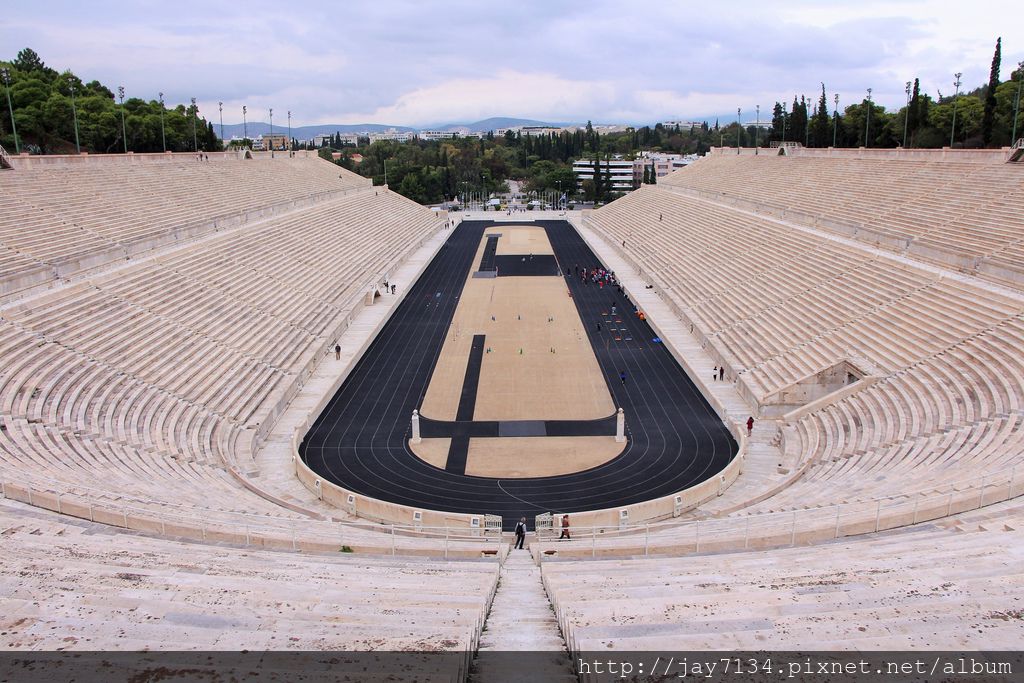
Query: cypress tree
(988, 118)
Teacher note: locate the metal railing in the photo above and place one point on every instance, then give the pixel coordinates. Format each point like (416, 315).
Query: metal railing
(785, 528)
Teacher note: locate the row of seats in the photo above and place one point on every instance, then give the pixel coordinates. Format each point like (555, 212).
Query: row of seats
(142, 386)
(955, 212)
(57, 220)
(133, 592)
(956, 586)
(775, 303)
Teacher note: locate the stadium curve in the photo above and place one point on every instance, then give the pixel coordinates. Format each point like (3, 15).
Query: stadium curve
(360, 440)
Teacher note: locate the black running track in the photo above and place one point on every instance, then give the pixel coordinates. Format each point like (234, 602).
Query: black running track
(360, 441)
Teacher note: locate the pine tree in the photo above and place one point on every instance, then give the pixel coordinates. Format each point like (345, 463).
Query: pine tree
(914, 111)
(988, 118)
(820, 128)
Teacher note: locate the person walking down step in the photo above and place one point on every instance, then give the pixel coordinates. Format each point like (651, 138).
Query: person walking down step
(520, 534)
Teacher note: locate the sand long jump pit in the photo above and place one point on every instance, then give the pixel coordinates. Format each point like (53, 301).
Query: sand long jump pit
(517, 380)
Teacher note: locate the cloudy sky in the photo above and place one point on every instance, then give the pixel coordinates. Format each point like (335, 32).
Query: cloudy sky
(419, 63)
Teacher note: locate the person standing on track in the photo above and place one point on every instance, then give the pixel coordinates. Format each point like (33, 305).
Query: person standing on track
(520, 533)
(622, 377)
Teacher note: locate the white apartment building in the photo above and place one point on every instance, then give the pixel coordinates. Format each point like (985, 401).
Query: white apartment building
(625, 173)
(438, 134)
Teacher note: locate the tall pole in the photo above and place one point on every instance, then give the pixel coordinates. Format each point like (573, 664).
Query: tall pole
(6, 74)
(807, 124)
(271, 139)
(124, 130)
(783, 121)
(195, 115)
(289, 132)
(835, 120)
(757, 128)
(1016, 107)
(739, 127)
(906, 116)
(163, 133)
(867, 122)
(956, 96)
(220, 108)
(74, 112)
(245, 126)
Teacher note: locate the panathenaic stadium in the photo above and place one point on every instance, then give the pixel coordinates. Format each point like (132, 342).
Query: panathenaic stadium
(257, 404)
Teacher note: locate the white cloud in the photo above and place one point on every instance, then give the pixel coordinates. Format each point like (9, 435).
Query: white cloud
(408, 62)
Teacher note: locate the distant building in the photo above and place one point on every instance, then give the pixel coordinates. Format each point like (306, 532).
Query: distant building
(625, 174)
(438, 134)
(662, 163)
(275, 142)
(391, 134)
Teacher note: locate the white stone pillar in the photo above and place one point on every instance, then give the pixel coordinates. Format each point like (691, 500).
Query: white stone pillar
(416, 426)
(620, 427)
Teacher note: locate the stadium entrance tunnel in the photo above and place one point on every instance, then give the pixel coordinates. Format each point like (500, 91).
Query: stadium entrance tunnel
(503, 394)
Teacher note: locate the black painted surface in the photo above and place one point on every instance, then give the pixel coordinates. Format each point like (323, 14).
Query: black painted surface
(675, 440)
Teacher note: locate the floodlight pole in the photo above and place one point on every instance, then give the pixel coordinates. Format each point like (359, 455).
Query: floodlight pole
(195, 115)
(835, 120)
(271, 132)
(6, 74)
(1016, 107)
(867, 122)
(807, 124)
(783, 122)
(956, 96)
(739, 127)
(757, 127)
(74, 113)
(124, 130)
(220, 108)
(906, 116)
(163, 134)
(289, 132)
(245, 126)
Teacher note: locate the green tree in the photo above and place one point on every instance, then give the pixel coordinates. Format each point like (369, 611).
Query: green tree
(989, 114)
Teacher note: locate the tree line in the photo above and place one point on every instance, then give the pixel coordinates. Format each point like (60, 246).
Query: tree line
(46, 103)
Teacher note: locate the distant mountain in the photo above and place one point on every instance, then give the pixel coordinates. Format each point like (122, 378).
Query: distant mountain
(255, 128)
(496, 122)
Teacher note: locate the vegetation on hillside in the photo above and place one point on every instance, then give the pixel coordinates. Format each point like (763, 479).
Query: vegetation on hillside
(45, 119)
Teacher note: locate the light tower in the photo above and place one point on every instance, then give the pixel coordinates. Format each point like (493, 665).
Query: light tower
(74, 113)
(220, 108)
(195, 115)
(867, 122)
(906, 116)
(245, 125)
(757, 127)
(124, 130)
(6, 75)
(289, 132)
(163, 134)
(835, 120)
(956, 96)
